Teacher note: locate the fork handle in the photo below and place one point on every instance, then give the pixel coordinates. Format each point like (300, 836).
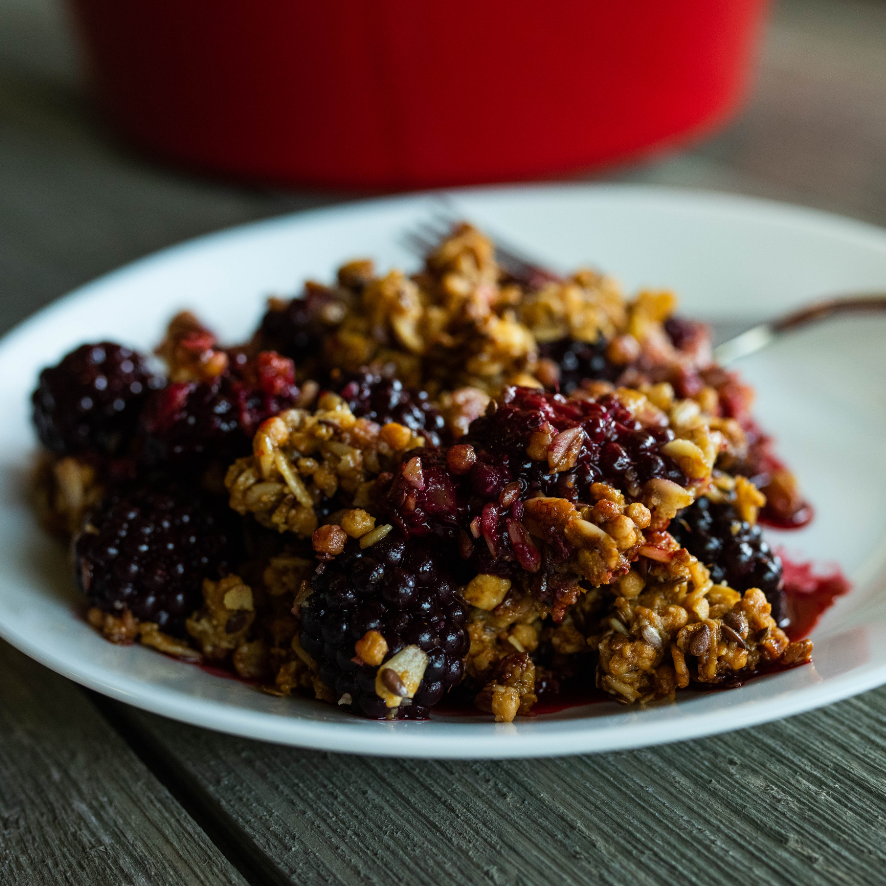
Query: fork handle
(765, 333)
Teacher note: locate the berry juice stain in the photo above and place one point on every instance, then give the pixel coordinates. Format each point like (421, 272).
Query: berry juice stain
(570, 697)
(780, 519)
(809, 593)
(552, 703)
(785, 506)
(216, 670)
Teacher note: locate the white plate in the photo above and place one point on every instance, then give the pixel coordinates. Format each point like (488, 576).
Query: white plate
(822, 393)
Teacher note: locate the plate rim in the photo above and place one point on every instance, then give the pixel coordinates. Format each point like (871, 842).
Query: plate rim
(407, 742)
(789, 214)
(496, 744)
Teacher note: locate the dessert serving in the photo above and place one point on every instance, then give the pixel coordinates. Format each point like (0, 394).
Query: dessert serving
(459, 486)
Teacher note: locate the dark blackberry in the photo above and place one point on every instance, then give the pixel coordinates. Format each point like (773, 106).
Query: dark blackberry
(735, 552)
(579, 361)
(400, 589)
(148, 551)
(188, 422)
(383, 399)
(91, 400)
(295, 328)
(475, 499)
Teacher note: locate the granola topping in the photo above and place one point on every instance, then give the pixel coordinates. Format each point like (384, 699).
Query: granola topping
(407, 486)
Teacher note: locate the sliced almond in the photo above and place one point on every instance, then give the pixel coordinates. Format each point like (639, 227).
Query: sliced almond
(408, 666)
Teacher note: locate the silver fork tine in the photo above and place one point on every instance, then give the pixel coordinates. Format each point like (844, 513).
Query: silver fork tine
(521, 260)
(436, 230)
(417, 244)
(447, 217)
(428, 233)
(423, 239)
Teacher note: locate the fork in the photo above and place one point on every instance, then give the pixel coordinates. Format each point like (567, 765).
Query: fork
(425, 237)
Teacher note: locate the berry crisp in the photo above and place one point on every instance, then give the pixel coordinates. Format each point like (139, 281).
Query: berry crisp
(404, 489)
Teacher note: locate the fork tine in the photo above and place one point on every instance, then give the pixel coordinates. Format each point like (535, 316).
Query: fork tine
(417, 244)
(444, 208)
(435, 231)
(513, 259)
(519, 265)
(446, 216)
(428, 233)
(425, 237)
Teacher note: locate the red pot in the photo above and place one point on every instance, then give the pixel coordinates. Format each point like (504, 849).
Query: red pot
(415, 93)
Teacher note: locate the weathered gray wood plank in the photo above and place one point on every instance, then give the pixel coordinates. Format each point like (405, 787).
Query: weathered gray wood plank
(814, 129)
(801, 801)
(76, 805)
(75, 204)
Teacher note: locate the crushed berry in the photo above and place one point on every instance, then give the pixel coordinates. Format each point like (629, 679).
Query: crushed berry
(217, 418)
(383, 399)
(481, 509)
(733, 550)
(400, 589)
(685, 334)
(579, 361)
(431, 500)
(148, 551)
(91, 400)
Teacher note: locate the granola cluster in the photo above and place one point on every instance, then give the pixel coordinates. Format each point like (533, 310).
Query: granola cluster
(306, 461)
(459, 481)
(673, 626)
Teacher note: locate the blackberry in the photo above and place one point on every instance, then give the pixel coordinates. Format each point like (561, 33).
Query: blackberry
(188, 422)
(295, 328)
(473, 492)
(733, 550)
(400, 589)
(91, 400)
(579, 361)
(383, 399)
(148, 551)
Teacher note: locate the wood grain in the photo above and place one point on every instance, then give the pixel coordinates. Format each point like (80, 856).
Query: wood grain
(76, 805)
(799, 801)
(795, 802)
(813, 130)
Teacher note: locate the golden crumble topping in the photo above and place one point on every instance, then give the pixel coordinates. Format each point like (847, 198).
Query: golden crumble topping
(461, 481)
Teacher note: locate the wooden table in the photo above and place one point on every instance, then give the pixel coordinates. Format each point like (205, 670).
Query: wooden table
(94, 792)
